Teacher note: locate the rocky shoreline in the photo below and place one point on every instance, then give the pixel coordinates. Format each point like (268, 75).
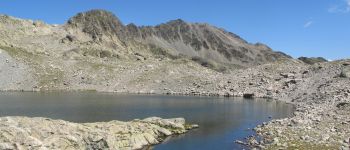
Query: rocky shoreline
(321, 96)
(319, 92)
(45, 133)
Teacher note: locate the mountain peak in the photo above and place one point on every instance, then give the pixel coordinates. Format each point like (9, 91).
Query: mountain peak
(176, 22)
(178, 38)
(96, 23)
(94, 15)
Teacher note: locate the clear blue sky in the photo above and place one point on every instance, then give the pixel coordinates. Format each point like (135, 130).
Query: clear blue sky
(296, 27)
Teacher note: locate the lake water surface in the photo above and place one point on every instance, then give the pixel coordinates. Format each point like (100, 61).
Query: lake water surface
(221, 120)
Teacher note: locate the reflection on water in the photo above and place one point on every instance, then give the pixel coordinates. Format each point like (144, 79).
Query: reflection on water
(221, 120)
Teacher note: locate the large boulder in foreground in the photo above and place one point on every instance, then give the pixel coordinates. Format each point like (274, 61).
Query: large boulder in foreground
(345, 73)
(44, 133)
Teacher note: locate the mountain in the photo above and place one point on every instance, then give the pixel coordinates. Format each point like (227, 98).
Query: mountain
(312, 60)
(94, 50)
(201, 42)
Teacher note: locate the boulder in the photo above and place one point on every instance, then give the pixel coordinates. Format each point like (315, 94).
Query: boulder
(345, 73)
(287, 75)
(248, 95)
(69, 38)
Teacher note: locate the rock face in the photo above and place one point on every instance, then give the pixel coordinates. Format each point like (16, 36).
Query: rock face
(44, 133)
(97, 23)
(207, 42)
(177, 38)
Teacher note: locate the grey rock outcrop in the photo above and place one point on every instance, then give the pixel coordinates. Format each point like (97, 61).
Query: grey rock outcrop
(207, 42)
(97, 23)
(44, 133)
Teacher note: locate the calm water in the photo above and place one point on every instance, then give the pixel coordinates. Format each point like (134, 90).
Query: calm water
(221, 120)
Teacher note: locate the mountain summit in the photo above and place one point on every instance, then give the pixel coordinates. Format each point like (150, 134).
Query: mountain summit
(97, 23)
(201, 42)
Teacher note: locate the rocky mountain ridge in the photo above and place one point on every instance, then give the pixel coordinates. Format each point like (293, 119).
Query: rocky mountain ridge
(72, 56)
(177, 38)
